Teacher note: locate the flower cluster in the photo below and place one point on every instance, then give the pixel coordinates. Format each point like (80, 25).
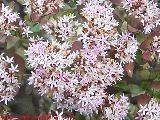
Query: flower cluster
(89, 99)
(7, 19)
(77, 79)
(100, 36)
(42, 7)
(97, 31)
(64, 28)
(126, 48)
(50, 76)
(84, 56)
(47, 54)
(101, 13)
(50, 61)
(146, 11)
(156, 45)
(81, 88)
(8, 80)
(118, 108)
(150, 111)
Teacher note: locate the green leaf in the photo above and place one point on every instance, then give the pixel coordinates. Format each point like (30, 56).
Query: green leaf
(66, 7)
(154, 75)
(145, 84)
(60, 14)
(139, 56)
(73, 3)
(35, 28)
(135, 90)
(132, 109)
(144, 74)
(140, 37)
(28, 21)
(13, 32)
(156, 94)
(131, 112)
(122, 85)
(49, 37)
(6, 107)
(127, 118)
(78, 116)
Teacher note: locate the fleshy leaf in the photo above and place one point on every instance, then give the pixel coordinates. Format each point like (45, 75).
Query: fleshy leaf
(135, 90)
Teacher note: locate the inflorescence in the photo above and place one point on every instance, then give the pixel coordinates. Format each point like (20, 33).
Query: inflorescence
(77, 78)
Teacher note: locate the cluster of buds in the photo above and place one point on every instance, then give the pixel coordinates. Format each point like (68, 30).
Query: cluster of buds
(7, 19)
(150, 111)
(146, 11)
(8, 80)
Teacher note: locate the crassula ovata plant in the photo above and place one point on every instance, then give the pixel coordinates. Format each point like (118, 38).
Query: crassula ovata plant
(92, 59)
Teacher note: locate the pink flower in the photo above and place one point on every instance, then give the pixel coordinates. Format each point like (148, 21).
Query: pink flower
(156, 45)
(7, 19)
(118, 108)
(8, 79)
(150, 111)
(147, 11)
(126, 48)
